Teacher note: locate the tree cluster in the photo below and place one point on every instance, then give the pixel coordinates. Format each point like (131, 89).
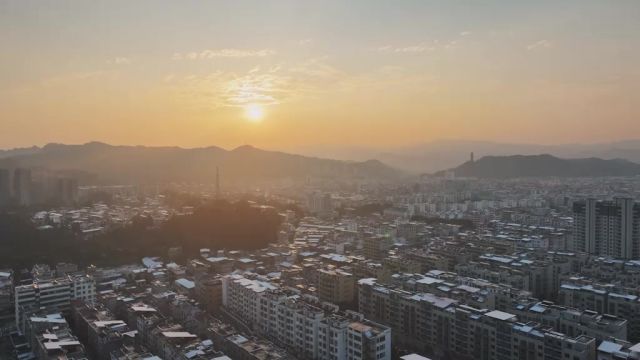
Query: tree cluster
(215, 225)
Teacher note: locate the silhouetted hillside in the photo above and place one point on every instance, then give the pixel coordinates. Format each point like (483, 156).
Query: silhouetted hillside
(544, 165)
(19, 151)
(140, 164)
(443, 154)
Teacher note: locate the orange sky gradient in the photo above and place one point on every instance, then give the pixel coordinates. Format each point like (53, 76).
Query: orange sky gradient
(363, 73)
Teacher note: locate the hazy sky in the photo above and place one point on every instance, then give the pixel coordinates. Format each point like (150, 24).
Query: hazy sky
(282, 74)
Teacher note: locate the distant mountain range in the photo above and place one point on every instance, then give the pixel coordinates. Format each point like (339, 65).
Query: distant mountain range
(18, 151)
(97, 162)
(445, 154)
(543, 166)
(142, 164)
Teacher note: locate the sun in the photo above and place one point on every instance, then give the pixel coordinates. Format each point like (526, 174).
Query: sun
(254, 112)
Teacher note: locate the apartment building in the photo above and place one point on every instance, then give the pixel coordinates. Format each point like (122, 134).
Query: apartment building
(336, 286)
(305, 326)
(376, 247)
(475, 292)
(614, 271)
(539, 275)
(6, 297)
(208, 291)
(49, 337)
(240, 347)
(618, 350)
(605, 299)
(99, 330)
(55, 294)
(442, 327)
(571, 321)
(610, 228)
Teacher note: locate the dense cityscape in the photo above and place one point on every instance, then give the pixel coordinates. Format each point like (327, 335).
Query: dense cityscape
(443, 267)
(320, 180)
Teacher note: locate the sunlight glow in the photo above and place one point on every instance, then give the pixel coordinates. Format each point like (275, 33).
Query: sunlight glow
(254, 112)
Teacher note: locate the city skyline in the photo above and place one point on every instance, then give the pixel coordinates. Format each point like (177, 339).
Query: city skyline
(320, 180)
(285, 75)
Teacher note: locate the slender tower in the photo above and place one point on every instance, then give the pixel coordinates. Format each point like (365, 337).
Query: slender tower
(472, 157)
(217, 183)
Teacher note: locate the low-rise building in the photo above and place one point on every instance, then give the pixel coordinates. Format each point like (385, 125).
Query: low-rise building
(54, 294)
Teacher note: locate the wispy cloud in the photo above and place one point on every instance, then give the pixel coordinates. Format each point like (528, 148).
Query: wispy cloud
(75, 77)
(120, 60)
(62, 84)
(542, 44)
(305, 42)
(422, 47)
(227, 89)
(418, 48)
(223, 53)
(279, 84)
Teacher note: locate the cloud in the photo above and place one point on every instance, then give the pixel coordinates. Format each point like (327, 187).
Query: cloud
(266, 86)
(304, 42)
(121, 60)
(422, 47)
(542, 44)
(228, 89)
(282, 83)
(425, 47)
(75, 77)
(169, 78)
(419, 48)
(223, 53)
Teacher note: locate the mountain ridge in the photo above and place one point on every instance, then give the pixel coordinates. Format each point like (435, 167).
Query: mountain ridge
(543, 165)
(428, 157)
(151, 164)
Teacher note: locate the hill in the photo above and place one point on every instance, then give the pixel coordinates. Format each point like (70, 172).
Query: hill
(544, 166)
(142, 164)
(18, 151)
(443, 154)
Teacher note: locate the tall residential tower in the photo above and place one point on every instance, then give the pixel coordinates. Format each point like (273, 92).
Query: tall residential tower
(609, 228)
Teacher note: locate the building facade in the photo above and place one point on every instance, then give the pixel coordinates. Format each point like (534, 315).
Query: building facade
(608, 228)
(303, 325)
(439, 326)
(53, 294)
